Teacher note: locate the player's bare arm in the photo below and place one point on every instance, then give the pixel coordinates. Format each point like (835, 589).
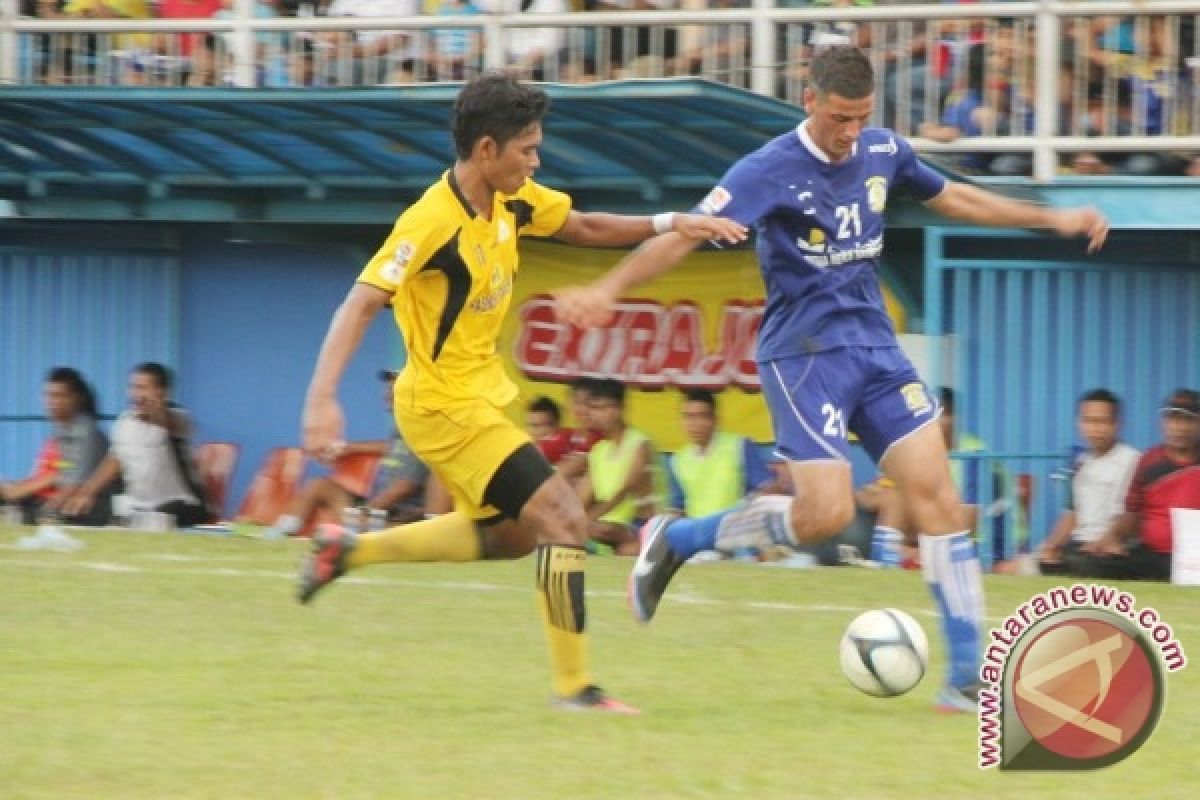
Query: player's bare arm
(598, 229)
(591, 305)
(324, 424)
(968, 203)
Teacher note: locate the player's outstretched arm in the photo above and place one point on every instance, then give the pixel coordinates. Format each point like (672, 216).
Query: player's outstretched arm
(591, 305)
(597, 229)
(323, 422)
(971, 204)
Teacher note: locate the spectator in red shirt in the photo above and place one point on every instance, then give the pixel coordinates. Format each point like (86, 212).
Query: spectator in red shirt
(543, 420)
(573, 465)
(1139, 543)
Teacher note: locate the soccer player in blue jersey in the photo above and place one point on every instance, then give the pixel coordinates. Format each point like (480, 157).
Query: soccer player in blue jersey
(827, 353)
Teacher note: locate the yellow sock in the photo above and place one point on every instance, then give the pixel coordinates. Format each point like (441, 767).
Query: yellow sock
(449, 537)
(560, 598)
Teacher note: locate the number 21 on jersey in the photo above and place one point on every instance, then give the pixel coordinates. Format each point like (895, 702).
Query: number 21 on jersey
(849, 223)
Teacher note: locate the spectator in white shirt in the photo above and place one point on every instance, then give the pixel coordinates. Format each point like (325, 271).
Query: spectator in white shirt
(1099, 483)
(151, 451)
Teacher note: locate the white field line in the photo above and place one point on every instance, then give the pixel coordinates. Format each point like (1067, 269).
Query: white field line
(682, 597)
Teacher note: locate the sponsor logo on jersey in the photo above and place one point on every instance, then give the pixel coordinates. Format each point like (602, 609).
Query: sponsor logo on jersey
(876, 193)
(502, 231)
(889, 148)
(501, 288)
(822, 255)
(916, 398)
(717, 199)
(815, 243)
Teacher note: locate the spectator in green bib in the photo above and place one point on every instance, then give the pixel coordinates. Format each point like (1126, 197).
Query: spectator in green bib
(715, 469)
(619, 486)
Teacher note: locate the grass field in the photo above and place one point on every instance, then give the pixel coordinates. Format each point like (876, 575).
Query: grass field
(172, 666)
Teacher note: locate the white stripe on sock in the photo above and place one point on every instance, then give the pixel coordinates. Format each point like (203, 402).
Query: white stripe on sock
(962, 591)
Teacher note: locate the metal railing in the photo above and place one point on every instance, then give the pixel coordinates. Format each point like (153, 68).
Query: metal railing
(1007, 87)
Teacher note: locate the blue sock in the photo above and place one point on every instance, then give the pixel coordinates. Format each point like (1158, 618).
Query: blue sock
(885, 546)
(690, 536)
(951, 569)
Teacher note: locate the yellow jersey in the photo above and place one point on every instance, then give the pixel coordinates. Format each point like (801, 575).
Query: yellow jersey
(450, 273)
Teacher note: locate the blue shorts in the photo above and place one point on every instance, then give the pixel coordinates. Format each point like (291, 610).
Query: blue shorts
(817, 399)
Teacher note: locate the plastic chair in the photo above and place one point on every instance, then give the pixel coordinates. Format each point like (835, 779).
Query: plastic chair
(273, 487)
(356, 472)
(214, 466)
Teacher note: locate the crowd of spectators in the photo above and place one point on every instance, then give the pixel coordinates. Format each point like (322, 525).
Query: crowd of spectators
(944, 79)
(1115, 524)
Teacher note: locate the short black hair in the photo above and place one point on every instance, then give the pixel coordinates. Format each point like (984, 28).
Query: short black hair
(1102, 396)
(609, 389)
(946, 399)
(497, 105)
(583, 384)
(545, 405)
(160, 374)
(844, 70)
(701, 396)
(70, 377)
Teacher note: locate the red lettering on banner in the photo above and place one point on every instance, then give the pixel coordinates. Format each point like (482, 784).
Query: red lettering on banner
(646, 344)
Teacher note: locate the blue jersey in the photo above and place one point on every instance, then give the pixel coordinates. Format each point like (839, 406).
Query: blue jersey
(819, 229)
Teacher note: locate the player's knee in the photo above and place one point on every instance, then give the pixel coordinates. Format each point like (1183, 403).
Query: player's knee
(555, 515)
(943, 497)
(814, 522)
(839, 513)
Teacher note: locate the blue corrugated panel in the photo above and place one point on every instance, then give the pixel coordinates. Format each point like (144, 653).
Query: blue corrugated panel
(1032, 336)
(97, 312)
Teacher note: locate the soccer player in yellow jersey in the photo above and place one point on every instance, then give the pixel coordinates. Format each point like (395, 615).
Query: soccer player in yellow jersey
(447, 271)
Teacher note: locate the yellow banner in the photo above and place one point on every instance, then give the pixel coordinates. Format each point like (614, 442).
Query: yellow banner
(691, 328)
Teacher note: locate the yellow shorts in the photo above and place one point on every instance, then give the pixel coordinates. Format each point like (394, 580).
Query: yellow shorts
(463, 445)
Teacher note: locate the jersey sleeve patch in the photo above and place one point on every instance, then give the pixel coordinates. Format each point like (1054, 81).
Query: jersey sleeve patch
(716, 200)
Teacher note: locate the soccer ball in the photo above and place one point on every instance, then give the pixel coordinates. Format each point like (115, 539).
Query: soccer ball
(884, 652)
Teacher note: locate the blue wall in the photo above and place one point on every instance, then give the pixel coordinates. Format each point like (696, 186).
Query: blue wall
(1031, 334)
(239, 323)
(253, 318)
(98, 310)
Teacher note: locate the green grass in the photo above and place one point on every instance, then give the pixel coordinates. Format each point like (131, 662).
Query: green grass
(171, 666)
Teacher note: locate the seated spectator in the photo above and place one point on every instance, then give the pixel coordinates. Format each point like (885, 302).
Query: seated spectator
(1125, 121)
(399, 487)
(715, 469)
(720, 52)
(533, 53)
(455, 50)
(980, 106)
(1138, 544)
(637, 52)
(151, 450)
(619, 472)
(543, 420)
(72, 453)
(276, 53)
(1100, 480)
(370, 57)
(582, 437)
(127, 56)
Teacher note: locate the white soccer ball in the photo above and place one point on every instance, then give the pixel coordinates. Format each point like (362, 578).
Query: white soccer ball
(884, 652)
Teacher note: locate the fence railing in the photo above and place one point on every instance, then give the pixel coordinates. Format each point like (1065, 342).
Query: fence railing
(1009, 87)
(1018, 497)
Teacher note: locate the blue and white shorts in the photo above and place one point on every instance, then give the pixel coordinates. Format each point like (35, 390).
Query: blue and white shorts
(816, 399)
